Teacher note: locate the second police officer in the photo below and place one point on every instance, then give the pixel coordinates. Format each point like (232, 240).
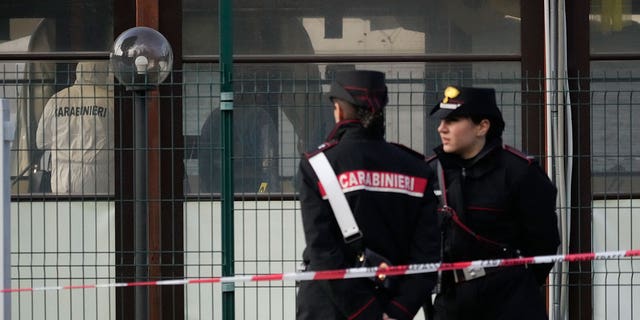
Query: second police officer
(496, 203)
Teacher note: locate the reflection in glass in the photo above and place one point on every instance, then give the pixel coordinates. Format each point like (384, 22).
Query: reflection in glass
(255, 152)
(71, 25)
(278, 113)
(614, 27)
(360, 27)
(27, 86)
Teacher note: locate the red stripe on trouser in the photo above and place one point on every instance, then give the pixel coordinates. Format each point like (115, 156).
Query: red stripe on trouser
(357, 313)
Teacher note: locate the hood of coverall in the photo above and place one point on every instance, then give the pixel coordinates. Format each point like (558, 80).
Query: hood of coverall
(93, 73)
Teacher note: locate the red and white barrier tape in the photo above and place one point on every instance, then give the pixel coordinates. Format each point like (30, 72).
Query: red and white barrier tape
(352, 272)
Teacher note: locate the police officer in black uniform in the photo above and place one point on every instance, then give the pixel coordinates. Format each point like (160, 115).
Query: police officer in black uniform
(495, 203)
(396, 215)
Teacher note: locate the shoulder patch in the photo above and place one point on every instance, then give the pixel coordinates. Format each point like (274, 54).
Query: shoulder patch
(409, 150)
(518, 153)
(321, 148)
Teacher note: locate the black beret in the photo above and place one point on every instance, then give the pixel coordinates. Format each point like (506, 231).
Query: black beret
(361, 88)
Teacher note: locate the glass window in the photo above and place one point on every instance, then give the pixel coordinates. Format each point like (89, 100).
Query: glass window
(51, 99)
(279, 112)
(282, 110)
(359, 27)
(614, 26)
(56, 25)
(615, 131)
(64, 125)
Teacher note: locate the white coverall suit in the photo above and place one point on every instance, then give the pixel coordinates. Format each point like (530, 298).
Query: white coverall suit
(77, 126)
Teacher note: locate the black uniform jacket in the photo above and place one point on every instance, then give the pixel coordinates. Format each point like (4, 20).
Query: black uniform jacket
(505, 199)
(389, 189)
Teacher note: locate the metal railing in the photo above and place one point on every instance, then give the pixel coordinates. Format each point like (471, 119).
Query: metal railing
(279, 112)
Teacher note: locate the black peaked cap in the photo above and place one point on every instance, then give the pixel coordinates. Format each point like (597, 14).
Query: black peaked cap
(467, 101)
(362, 88)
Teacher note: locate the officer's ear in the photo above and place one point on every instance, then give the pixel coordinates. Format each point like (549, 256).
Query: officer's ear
(482, 128)
(338, 111)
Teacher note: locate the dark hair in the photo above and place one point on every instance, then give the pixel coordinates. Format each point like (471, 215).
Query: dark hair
(372, 121)
(495, 129)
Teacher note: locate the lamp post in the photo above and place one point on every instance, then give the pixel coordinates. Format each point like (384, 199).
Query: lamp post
(141, 58)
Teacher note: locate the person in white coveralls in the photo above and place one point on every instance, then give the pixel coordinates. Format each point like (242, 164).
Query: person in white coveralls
(77, 128)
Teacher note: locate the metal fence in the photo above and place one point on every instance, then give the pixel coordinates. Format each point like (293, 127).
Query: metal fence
(85, 236)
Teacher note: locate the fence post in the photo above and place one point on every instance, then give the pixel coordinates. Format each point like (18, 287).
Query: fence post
(226, 130)
(6, 135)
